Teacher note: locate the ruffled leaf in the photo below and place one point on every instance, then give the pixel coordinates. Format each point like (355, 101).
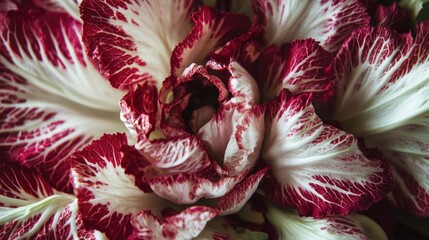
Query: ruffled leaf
(195, 82)
(179, 153)
(186, 188)
(31, 208)
(317, 168)
(185, 225)
(328, 22)
(108, 197)
(235, 199)
(242, 86)
(53, 100)
(212, 29)
(133, 40)
(176, 154)
(234, 135)
(234, 139)
(139, 109)
(298, 66)
(185, 99)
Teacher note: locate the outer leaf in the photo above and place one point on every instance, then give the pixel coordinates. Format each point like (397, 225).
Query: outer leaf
(212, 29)
(317, 168)
(327, 21)
(53, 100)
(385, 77)
(134, 39)
(30, 208)
(108, 197)
(389, 73)
(298, 66)
(406, 148)
(292, 226)
(185, 225)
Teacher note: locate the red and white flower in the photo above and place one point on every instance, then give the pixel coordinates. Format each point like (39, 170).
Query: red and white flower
(181, 119)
